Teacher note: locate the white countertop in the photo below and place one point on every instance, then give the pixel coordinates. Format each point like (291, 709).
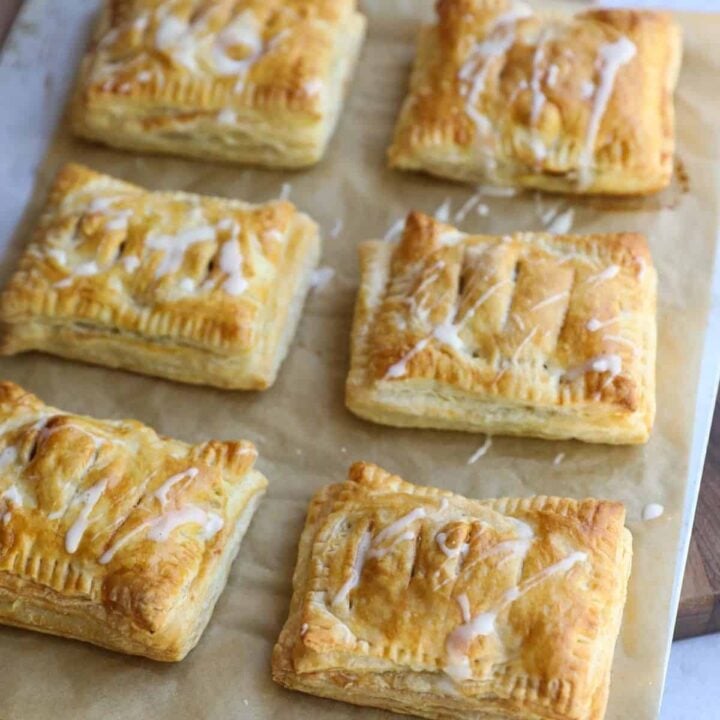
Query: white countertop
(692, 689)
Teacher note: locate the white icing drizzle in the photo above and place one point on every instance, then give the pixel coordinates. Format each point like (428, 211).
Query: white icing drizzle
(162, 492)
(380, 553)
(336, 229)
(641, 267)
(88, 500)
(558, 458)
(612, 57)
(321, 277)
(461, 550)
(562, 222)
(593, 324)
(587, 89)
(394, 230)
(552, 75)
(607, 274)
(464, 603)
(459, 641)
(160, 528)
(522, 345)
(174, 37)
(550, 300)
(285, 191)
(447, 333)
(174, 247)
(620, 340)
(482, 210)
(480, 451)
(227, 116)
(10, 495)
(538, 96)
(7, 457)
(652, 511)
(442, 212)
(131, 263)
(399, 525)
(356, 570)
(59, 256)
(399, 368)
(610, 363)
(498, 191)
(231, 263)
(245, 31)
(466, 207)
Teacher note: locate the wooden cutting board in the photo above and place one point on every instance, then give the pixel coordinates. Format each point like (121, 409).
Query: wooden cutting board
(699, 611)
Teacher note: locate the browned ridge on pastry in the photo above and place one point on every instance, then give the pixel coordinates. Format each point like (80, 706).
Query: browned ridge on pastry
(193, 288)
(112, 534)
(423, 602)
(579, 104)
(250, 81)
(525, 334)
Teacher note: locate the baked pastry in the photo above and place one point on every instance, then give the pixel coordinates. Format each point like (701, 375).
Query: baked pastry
(112, 534)
(247, 81)
(424, 602)
(531, 334)
(197, 289)
(575, 104)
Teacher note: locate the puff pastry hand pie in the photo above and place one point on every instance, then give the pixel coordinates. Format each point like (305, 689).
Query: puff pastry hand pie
(579, 104)
(112, 534)
(250, 81)
(192, 288)
(529, 334)
(423, 602)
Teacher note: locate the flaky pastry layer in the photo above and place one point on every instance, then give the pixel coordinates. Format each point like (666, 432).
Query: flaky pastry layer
(531, 334)
(192, 288)
(423, 602)
(255, 81)
(111, 534)
(576, 104)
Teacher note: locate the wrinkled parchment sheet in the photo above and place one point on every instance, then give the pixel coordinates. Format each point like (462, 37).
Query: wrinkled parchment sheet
(306, 437)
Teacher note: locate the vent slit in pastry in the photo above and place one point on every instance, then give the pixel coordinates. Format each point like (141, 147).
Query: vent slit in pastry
(201, 289)
(505, 607)
(111, 534)
(522, 349)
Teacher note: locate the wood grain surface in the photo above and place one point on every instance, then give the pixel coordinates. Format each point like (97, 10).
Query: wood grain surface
(699, 611)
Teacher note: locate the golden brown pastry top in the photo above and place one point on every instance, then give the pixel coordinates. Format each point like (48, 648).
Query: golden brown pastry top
(514, 596)
(108, 511)
(220, 55)
(566, 96)
(529, 317)
(171, 266)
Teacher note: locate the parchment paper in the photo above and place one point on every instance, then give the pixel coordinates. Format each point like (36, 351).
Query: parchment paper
(305, 436)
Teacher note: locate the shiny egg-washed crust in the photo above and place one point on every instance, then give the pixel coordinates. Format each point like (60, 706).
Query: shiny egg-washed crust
(80, 499)
(127, 278)
(521, 114)
(531, 334)
(386, 642)
(255, 81)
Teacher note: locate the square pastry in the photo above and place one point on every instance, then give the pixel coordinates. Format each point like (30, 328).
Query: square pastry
(112, 534)
(576, 104)
(248, 81)
(192, 288)
(527, 334)
(424, 602)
